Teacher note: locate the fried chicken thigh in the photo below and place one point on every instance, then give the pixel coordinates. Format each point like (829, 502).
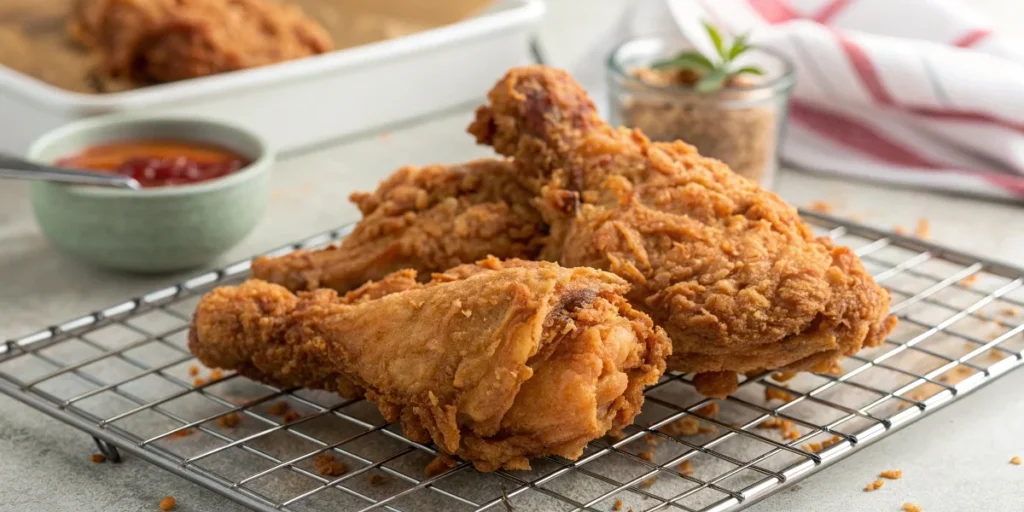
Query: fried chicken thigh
(495, 363)
(169, 40)
(427, 219)
(728, 269)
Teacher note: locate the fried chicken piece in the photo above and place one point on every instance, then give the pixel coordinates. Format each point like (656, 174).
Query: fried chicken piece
(728, 269)
(495, 364)
(423, 218)
(167, 40)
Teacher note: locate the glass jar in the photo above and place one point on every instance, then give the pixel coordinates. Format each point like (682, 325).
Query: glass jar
(741, 124)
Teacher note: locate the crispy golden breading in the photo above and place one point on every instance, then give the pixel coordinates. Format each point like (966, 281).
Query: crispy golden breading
(497, 367)
(169, 40)
(441, 463)
(428, 219)
(728, 269)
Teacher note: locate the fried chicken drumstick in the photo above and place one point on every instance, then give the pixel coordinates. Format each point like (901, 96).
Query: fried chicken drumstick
(728, 269)
(494, 363)
(169, 40)
(427, 219)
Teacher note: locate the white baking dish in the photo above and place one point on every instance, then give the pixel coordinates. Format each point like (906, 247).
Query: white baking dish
(309, 101)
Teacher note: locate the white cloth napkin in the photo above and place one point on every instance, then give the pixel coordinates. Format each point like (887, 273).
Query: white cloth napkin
(910, 92)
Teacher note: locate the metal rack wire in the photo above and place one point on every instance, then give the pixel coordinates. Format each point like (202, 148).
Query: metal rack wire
(125, 376)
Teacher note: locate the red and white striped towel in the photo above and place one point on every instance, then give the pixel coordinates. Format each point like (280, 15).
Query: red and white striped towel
(911, 92)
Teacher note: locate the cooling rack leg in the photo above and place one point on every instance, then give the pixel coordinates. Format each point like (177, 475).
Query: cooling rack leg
(108, 450)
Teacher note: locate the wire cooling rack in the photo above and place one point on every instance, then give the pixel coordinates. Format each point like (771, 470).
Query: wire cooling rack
(124, 375)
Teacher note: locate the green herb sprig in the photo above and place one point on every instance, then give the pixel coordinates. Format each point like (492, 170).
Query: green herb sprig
(713, 75)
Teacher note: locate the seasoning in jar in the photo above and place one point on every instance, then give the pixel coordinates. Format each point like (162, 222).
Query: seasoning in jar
(158, 163)
(742, 137)
(717, 105)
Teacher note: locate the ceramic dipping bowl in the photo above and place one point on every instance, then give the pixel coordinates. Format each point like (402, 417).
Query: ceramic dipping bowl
(153, 230)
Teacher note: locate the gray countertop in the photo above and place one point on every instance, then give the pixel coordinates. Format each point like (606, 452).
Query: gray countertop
(954, 460)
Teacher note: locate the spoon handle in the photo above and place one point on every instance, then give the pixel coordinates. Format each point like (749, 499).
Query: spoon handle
(17, 168)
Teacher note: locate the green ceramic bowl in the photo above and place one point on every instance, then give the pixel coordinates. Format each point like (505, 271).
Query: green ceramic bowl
(159, 229)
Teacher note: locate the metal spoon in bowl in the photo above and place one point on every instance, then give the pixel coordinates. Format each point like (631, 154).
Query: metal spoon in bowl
(21, 169)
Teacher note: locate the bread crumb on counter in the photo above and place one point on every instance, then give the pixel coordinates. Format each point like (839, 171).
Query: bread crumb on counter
(771, 422)
(216, 374)
(290, 416)
(892, 474)
(821, 206)
(168, 503)
(874, 486)
(443, 462)
(376, 479)
(812, 447)
(683, 427)
(1015, 460)
(830, 442)
(910, 507)
(899, 230)
(279, 408)
(193, 371)
(648, 483)
(688, 426)
(709, 410)
(327, 465)
(229, 420)
(786, 427)
(923, 230)
(617, 505)
(98, 458)
(685, 468)
(181, 433)
(199, 381)
(647, 455)
(777, 394)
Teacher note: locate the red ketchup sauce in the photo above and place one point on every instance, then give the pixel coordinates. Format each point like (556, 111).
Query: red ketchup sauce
(158, 163)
